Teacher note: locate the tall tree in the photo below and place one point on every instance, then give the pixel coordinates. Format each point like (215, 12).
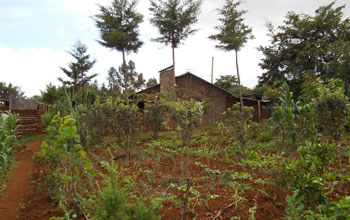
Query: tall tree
(311, 45)
(77, 70)
(151, 82)
(173, 19)
(119, 28)
(233, 33)
(125, 81)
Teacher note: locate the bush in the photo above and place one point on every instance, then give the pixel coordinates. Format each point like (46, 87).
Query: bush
(239, 121)
(155, 115)
(306, 175)
(188, 116)
(331, 107)
(114, 201)
(70, 168)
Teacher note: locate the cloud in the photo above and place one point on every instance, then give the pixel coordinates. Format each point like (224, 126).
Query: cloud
(34, 63)
(31, 68)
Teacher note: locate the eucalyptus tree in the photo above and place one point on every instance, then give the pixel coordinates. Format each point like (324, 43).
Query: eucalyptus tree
(125, 81)
(173, 19)
(233, 33)
(119, 28)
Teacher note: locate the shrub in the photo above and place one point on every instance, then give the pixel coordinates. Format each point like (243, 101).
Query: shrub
(70, 168)
(239, 121)
(331, 108)
(188, 116)
(155, 115)
(114, 201)
(305, 176)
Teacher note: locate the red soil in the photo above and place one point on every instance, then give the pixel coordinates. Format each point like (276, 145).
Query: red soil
(18, 183)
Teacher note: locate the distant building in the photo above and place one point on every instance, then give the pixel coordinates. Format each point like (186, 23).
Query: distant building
(189, 86)
(29, 114)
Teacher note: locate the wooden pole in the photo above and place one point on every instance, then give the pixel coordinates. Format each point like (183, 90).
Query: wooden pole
(259, 111)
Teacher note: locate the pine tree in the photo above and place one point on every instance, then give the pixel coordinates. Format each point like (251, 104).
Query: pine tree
(233, 33)
(173, 19)
(77, 70)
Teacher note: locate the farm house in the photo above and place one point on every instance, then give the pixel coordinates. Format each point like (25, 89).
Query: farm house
(189, 86)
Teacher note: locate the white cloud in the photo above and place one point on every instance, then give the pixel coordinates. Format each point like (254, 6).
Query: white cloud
(31, 68)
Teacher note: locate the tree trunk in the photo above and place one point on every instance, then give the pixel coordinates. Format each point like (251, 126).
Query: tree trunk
(173, 50)
(124, 69)
(239, 82)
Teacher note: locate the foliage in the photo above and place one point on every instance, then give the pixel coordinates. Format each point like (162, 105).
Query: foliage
(151, 82)
(51, 95)
(239, 121)
(173, 19)
(78, 69)
(331, 108)
(7, 91)
(118, 25)
(125, 79)
(283, 115)
(128, 118)
(316, 45)
(7, 139)
(306, 175)
(188, 116)
(155, 114)
(226, 82)
(70, 168)
(114, 201)
(306, 119)
(233, 33)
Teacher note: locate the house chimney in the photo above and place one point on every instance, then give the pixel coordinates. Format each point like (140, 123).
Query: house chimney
(167, 82)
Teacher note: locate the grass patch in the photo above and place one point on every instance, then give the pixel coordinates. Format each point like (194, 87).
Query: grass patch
(29, 138)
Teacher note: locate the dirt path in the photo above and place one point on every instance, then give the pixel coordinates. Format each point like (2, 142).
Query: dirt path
(18, 183)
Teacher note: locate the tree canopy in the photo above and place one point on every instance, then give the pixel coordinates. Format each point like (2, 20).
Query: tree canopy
(151, 82)
(315, 45)
(227, 82)
(174, 20)
(77, 70)
(119, 26)
(233, 33)
(9, 90)
(125, 81)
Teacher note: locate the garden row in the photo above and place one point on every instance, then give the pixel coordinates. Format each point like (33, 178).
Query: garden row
(296, 166)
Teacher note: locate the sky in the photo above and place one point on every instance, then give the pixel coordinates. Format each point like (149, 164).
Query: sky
(36, 36)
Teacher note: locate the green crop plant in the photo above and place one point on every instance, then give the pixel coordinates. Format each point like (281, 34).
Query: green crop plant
(307, 176)
(188, 115)
(114, 201)
(70, 167)
(283, 116)
(239, 121)
(7, 139)
(155, 114)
